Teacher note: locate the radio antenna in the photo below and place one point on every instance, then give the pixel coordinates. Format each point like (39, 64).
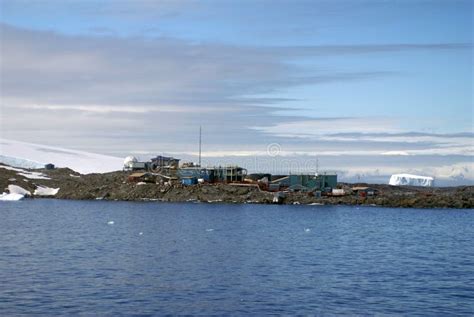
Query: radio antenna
(200, 143)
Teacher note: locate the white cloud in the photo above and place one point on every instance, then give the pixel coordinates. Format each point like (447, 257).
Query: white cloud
(327, 126)
(125, 109)
(394, 153)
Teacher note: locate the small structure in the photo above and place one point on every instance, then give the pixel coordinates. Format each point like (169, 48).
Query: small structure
(141, 177)
(338, 192)
(131, 163)
(220, 174)
(229, 174)
(364, 191)
(306, 182)
(49, 166)
(189, 181)
(206, 174)
(164, 161)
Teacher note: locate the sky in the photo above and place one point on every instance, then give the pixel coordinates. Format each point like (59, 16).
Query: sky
(362, 88)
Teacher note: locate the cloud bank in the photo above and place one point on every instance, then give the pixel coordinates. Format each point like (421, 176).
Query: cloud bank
(117, 95)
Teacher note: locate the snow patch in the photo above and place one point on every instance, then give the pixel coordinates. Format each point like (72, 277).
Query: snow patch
(34, 175)
(11, 197)
(15, 189)
(27, 174)
(16, 193)
(411, 180)
(45, 191)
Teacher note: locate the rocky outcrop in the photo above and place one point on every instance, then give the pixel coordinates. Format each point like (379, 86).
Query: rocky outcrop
(114, 186)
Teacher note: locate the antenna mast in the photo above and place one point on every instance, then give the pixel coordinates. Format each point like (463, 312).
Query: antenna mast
(200, 142)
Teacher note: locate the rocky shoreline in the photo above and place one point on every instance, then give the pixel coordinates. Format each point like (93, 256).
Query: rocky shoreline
(114, 186)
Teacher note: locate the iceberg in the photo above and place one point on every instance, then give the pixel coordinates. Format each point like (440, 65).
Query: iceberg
(411, 180)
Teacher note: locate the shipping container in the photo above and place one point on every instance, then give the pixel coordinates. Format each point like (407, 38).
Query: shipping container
(189, 181)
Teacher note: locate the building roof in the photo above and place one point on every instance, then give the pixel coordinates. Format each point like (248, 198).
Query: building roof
(362, 188)
(137, 174)
(164, 158)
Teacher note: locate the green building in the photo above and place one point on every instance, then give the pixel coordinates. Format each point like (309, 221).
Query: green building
(307, 182)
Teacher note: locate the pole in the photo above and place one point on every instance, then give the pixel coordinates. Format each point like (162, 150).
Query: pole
(200, 142)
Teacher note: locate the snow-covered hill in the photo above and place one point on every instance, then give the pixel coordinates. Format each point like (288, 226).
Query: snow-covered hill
(27, 155)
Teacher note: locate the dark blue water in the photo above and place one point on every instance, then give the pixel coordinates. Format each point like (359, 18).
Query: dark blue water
(62, 257)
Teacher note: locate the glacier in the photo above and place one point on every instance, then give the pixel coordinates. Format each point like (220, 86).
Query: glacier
(411, 180)
(28, 155)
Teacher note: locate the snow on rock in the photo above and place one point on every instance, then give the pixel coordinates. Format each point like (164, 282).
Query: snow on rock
(27, 174)
(15, 189)
(27, 155)
(45, 191)
(411, 180)
(34, 175)
(11, 197)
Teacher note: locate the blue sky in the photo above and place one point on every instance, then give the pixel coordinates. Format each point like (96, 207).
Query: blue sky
(385, 82)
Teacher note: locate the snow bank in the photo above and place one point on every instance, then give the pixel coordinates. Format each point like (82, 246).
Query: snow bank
(11, 197)
(16, 193)
(411, 180)
(45, 191)
(27, 155)
(14, 189)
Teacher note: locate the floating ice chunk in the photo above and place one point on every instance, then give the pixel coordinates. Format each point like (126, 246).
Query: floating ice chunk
(45, 191)
(307, 230)
(11, 197)
(15, 189)
(140, 233)
(110, 223)
(209, 230)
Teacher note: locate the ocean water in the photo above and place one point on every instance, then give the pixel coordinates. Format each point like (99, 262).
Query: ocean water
(123, 258)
